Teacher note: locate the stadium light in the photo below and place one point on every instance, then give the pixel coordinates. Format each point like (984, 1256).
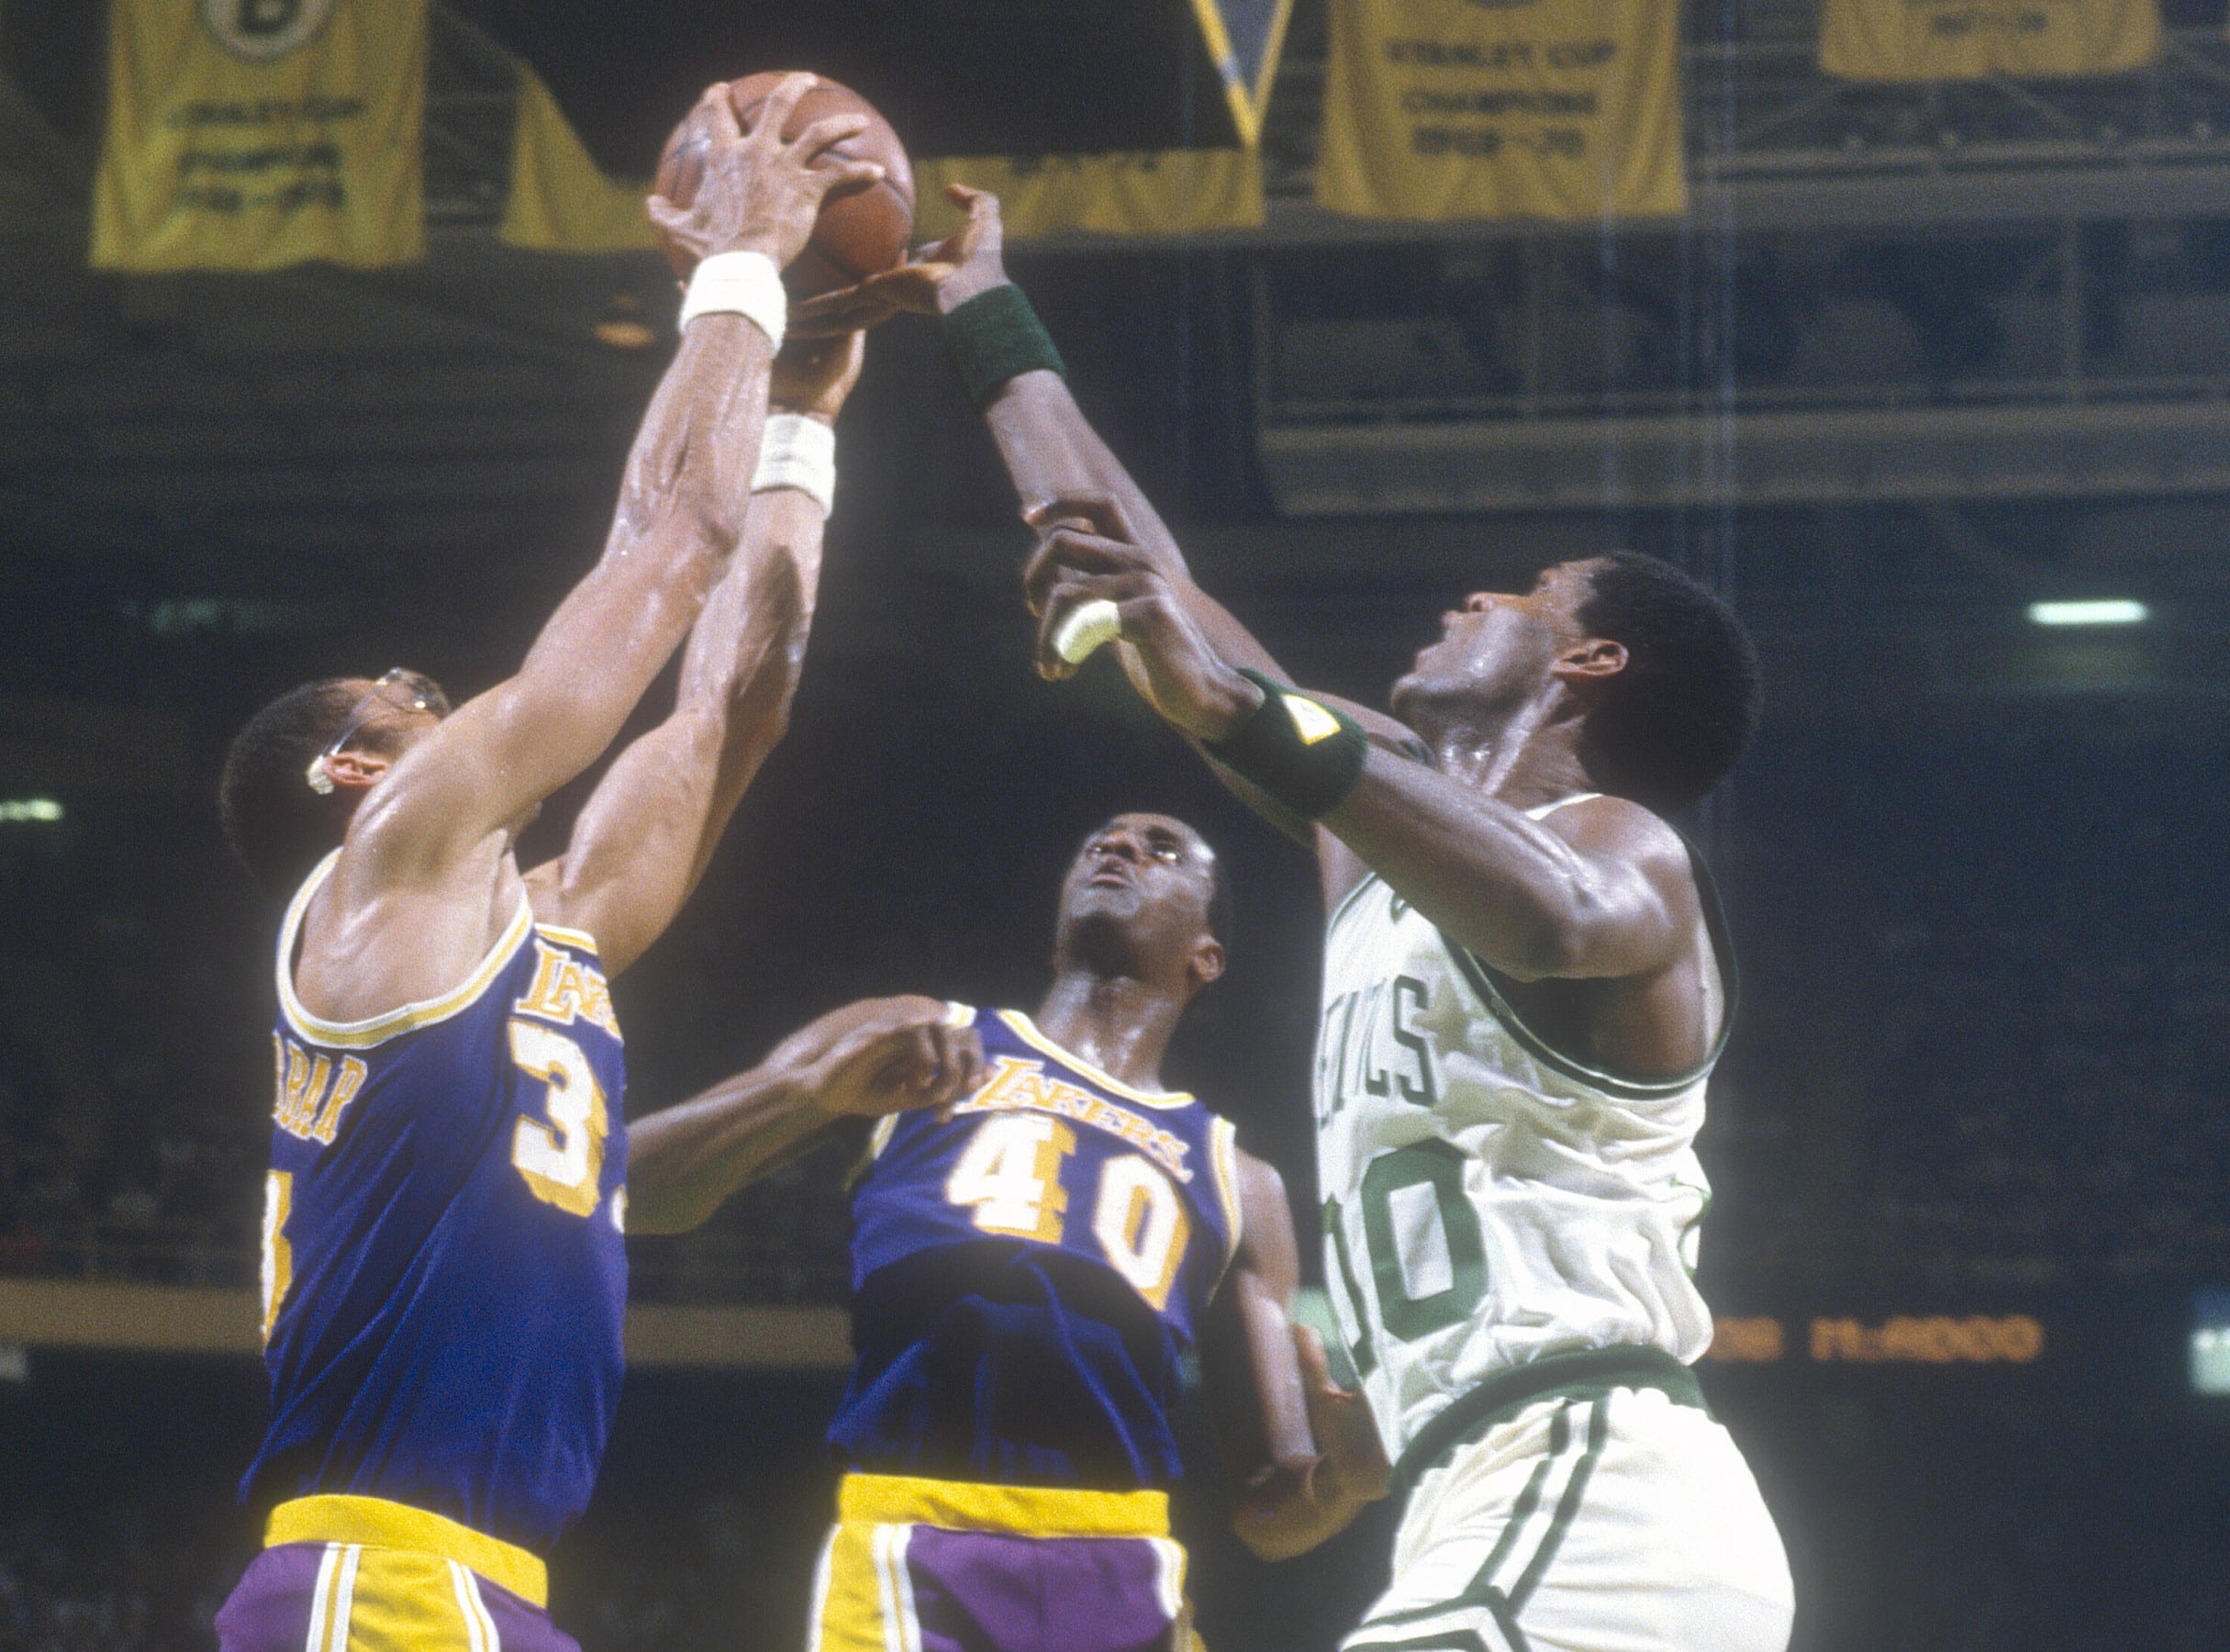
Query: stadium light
(2106, 610)
(2210, 1346)
(30, 809)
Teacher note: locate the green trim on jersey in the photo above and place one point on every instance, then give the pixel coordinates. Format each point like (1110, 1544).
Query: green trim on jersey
(1483, 985)
(1581, 1374)
(1339, 907)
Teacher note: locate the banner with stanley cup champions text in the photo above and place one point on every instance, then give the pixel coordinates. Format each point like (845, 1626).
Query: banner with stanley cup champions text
(1439, 109)
(1973, 39)
(254, 134)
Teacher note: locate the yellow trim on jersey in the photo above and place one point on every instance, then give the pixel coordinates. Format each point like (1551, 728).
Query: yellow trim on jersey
(363, 1034)
(1023, 1511)
(1025, 1030)
(374, 1522)
(1223, 1152)
(569, 937)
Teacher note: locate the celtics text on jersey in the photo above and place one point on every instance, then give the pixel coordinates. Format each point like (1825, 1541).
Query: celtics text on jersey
(1488, 1201)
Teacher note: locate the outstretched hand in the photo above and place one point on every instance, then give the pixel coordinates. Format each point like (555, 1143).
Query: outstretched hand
(1353, 1465)
(761, 192)
(883, 1055)
(1288, 1508)
(1089, 552)
(934, 280)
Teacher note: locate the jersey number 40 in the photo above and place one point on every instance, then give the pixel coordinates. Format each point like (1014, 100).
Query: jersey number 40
(1010, 1174)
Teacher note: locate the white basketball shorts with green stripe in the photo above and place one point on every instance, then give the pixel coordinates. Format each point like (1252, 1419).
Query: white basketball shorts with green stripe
(1624, 1521)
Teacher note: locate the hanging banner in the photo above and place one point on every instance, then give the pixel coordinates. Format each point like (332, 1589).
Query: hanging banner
(1143, 192)
(252, 134)
(1972, 40)
(560, 200)
(1502, 108)
(1243, 39)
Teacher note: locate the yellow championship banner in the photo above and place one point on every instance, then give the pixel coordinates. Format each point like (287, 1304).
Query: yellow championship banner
(1142, 192)
(1502, 108)
(560, 200)
(254, 134)
(1972, 40)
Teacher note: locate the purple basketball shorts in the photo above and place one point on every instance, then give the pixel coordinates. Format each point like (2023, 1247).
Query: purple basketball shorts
(944, 1566)
(414, 1591)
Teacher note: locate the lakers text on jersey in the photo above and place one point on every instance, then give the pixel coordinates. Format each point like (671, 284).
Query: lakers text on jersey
(1028, 1273)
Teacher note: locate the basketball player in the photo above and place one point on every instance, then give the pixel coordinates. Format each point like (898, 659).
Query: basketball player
(443, 1270)
(1527, 983)
(1028, 1269)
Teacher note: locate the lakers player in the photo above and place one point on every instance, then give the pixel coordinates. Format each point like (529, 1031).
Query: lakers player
(1526, 985)
(443, 1271)
(1029, 1268)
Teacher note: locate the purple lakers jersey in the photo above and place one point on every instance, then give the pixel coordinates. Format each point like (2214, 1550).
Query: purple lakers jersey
(444, 1271)
(1027, 1275)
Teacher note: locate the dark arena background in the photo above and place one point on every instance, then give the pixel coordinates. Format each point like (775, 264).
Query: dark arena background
(1913, 357)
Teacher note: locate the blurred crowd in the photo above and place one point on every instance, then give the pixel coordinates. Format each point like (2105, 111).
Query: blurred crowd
(1986, 1016)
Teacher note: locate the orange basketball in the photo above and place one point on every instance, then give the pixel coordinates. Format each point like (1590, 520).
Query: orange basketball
(861, 230)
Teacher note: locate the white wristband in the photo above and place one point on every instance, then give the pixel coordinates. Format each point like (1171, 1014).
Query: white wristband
(739, 284)
(800, 452)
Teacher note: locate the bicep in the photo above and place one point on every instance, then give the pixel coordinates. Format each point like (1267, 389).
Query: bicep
(1596, 890)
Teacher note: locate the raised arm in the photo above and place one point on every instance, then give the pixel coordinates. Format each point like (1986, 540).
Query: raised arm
(879, 1055)
(680, 513)
(1061, 468)
(1598, 891)
(1302, 1450)
(648, 832)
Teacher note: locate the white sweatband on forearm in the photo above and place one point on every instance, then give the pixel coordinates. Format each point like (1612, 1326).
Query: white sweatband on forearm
(800, 452)
(739, 284)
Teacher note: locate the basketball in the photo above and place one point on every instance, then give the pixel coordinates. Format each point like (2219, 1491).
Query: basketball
(861, 230)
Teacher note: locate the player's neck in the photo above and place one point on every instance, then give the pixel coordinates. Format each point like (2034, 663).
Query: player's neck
(1526, 756)
(1118, 1024)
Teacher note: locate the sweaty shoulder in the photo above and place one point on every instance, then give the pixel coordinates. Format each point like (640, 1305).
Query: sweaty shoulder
(1618, 830)
(1618, 826)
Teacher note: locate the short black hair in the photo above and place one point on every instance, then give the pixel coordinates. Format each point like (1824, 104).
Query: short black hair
(1675, 720)
(277, 826)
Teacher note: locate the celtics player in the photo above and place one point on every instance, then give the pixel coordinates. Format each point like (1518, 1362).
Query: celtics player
(1029, 1269)
(443, 1267)
(1526, 985)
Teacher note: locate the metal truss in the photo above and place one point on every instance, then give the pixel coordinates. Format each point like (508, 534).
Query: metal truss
(1991, 290)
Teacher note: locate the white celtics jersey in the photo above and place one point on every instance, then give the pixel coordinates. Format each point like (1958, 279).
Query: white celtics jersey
(1487, 1200)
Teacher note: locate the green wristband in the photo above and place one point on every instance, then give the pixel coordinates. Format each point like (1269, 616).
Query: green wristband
(996, 335)
(1303, 754)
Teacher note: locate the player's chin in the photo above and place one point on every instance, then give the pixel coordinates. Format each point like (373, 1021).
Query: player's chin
(1104, 902)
